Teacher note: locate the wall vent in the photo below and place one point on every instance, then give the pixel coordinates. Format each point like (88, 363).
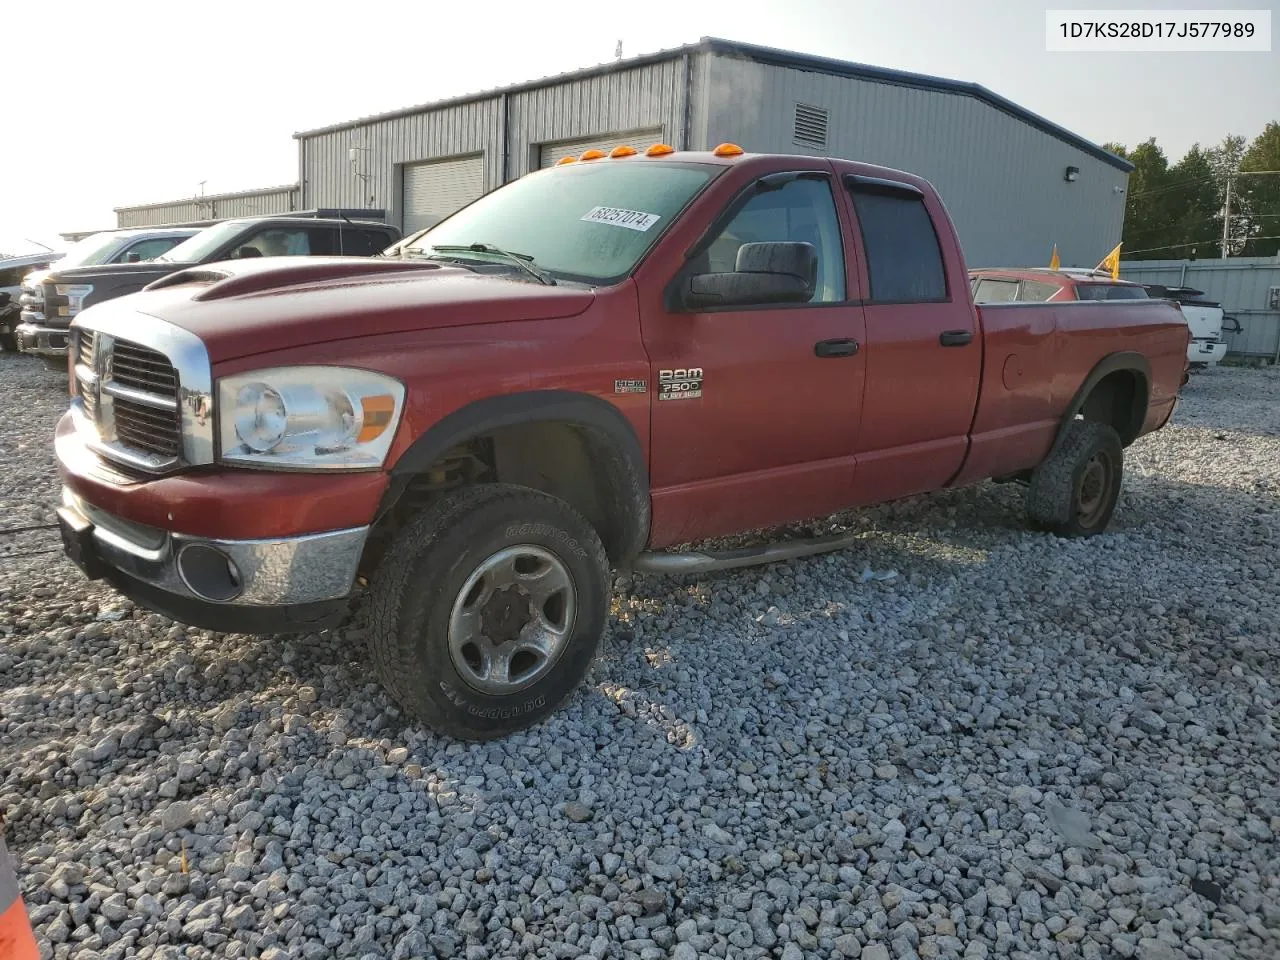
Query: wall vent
(810, 126)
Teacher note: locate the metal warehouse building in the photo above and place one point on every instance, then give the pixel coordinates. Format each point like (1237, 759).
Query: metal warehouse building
(214, 206)
(1014, 182)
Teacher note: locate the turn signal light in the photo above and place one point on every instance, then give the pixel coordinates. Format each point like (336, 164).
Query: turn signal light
(727, 150)
(623, 151)
(659, 150)
(563, 160)
(592, 155)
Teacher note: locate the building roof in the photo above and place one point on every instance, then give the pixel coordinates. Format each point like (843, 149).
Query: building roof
(234, 195)
(772, 57)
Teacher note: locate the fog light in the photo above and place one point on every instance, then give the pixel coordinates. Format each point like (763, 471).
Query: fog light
(209, 573)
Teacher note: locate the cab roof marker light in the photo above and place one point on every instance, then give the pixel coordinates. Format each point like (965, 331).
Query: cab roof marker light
(592, 155)
(659, 150)
(728, 150)
(563, 160)
(622, 151)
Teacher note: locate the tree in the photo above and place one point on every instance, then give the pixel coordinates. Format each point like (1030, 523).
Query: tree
(1260, 195)
(1145, 217)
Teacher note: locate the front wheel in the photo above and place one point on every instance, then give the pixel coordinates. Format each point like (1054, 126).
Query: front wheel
(1073, 493)
(488, 609)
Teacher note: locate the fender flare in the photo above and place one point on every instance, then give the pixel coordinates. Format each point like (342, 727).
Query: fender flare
(630, 474)
(1127, 361)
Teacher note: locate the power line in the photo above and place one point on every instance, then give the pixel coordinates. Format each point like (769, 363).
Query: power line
(1213, 241)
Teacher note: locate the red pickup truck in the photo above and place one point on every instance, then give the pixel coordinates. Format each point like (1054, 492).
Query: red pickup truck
(591, 364)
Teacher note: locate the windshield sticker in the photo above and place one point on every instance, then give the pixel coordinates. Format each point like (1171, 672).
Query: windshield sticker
(618, 217)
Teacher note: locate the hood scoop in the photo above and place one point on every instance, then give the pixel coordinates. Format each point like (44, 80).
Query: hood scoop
(225, 279)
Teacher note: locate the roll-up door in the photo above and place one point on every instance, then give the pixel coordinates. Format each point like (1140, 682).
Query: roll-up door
(551, 153)
(436, 189)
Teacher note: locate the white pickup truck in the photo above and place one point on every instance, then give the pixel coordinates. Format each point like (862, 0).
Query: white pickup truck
(1206, 319)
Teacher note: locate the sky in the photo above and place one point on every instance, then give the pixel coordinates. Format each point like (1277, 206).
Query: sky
(116, 104)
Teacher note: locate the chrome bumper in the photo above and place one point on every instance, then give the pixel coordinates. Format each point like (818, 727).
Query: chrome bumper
(283, 572)
(42, 341)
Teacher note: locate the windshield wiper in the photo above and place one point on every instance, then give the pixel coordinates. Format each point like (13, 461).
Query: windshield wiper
(521, 260)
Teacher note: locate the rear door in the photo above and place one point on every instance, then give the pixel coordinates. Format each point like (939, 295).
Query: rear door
(923, 344)
(756, 407)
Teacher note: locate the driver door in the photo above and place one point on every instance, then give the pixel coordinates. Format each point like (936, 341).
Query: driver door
(755, 407)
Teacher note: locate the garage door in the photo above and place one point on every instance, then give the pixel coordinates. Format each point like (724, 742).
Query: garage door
(434, 190)
(552, 152)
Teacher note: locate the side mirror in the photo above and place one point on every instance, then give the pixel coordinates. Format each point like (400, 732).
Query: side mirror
(132, 258)
(764, 273)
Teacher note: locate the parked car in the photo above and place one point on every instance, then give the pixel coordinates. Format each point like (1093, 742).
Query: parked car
(575, 372)
(1206, 319)
(1044, 284)
(1203, 317)
(12, 270)
(107, 246)
(49, 305)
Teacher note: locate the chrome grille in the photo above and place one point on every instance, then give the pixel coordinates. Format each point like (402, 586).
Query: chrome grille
(129, 396)
(84, 353)
(147, 428)
(142, 369)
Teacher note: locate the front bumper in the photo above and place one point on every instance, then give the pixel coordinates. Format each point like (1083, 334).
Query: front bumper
(42, 341)
(1206, 351)
(281, 585)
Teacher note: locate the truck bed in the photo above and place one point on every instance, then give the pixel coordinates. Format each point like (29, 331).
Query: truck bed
(1036, 357)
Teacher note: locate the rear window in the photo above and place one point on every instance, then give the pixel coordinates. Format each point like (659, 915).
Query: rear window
(904, 260)
(1109, 291)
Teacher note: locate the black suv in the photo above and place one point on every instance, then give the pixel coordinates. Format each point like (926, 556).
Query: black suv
(49, 306)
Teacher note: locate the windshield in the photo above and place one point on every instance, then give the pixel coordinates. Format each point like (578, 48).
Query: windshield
(94, 249)
(196, 248)
(587, 221)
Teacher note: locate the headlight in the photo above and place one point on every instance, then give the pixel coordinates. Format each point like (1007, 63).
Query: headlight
(75, 294)
(308, 418)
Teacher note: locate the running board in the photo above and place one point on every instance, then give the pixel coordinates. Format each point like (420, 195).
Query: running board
(712, 561)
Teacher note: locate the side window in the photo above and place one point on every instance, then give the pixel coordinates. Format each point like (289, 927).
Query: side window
(356, 242)
(904, 260)
(802, 211)
(147, 249)
(996, 291)
(277, 242)
(1037, 292)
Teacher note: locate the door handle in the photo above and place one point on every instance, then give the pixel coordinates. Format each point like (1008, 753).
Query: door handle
(835, 348)
(955, 338)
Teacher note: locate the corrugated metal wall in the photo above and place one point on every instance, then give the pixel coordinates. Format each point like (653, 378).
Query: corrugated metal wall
(249, 203)
(331, 179)
(646, 96)
(1241, 284)
(1002, 180)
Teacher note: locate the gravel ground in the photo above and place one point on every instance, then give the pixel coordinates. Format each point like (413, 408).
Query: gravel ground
(960, 739)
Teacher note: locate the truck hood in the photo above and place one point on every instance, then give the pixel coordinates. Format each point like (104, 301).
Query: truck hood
(243, 308)
(90, 273)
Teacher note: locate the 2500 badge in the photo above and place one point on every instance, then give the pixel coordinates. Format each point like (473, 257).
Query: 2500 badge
(683, 383)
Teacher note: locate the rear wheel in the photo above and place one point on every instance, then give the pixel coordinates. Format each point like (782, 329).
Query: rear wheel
(487, 610)
(9, 342)
(1073, 493)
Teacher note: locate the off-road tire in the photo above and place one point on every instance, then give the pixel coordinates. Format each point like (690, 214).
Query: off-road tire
(413, 591)
(1054, 496)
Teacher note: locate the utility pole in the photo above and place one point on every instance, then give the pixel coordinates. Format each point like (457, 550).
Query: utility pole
(1226, 220)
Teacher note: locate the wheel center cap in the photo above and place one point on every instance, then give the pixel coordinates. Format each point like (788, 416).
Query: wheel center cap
(505, 615)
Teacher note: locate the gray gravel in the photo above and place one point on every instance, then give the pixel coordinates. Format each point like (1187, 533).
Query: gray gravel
(960, 739)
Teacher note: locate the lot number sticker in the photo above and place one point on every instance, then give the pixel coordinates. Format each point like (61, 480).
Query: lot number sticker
(618, 217)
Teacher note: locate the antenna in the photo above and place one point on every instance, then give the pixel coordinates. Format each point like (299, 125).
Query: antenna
(617, 53)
